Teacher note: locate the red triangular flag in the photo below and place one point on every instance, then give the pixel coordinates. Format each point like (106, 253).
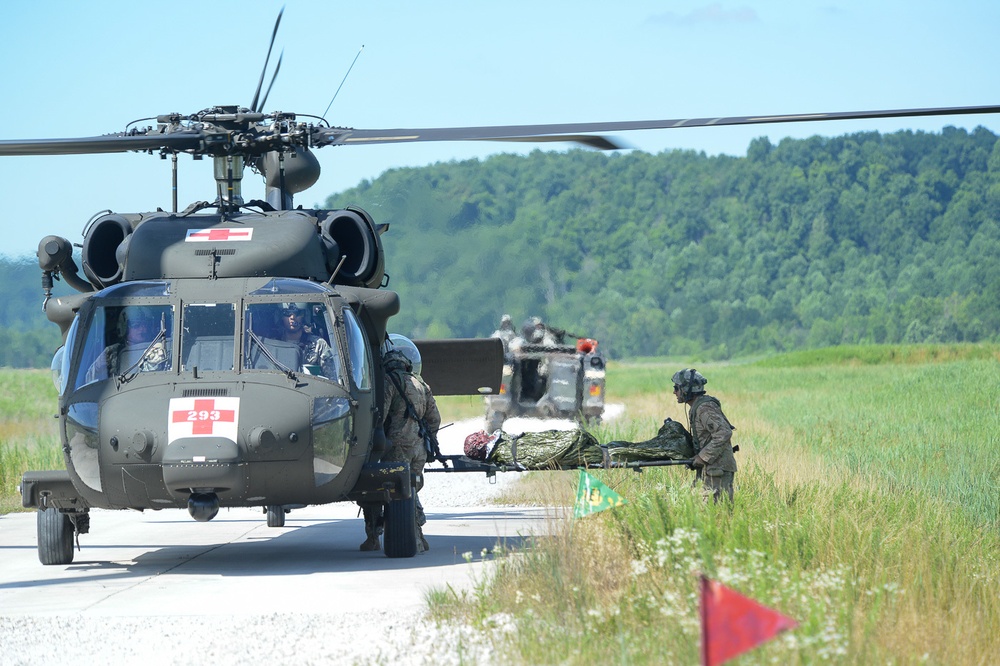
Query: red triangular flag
(731, 624)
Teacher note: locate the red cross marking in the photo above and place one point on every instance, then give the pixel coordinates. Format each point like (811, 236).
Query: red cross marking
(221, 234)
(203, 416)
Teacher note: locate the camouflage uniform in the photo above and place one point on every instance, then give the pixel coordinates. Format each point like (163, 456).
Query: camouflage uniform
(109, 362)
(712, 434)
(405, 443)
(316, 351)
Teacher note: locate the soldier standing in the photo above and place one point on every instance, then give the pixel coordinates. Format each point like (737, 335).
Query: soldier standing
(711, 431)
(405, 392)
(506, 332)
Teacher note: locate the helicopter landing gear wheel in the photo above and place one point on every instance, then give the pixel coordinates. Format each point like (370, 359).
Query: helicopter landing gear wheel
(400, 538)
(55, 537)
(275, 516)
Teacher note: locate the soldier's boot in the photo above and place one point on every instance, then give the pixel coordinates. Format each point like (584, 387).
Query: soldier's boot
(371, 530)
(371, 543)
(422, 545)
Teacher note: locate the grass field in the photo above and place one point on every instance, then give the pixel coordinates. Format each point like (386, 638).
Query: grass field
(29, 433)
(867, 507)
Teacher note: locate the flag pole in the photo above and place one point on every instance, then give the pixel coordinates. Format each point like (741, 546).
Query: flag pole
(703, 616)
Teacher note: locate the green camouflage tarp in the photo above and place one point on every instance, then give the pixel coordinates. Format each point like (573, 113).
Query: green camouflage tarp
(672, 442)
(569, 449)
(551, 449)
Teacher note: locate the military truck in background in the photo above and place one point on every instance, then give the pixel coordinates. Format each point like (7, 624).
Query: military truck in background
(546, 376)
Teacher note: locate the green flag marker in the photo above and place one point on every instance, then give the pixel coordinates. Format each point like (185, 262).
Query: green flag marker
(592, 496)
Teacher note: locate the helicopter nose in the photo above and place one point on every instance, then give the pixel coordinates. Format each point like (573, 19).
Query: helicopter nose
(203, 506)
(200, 468)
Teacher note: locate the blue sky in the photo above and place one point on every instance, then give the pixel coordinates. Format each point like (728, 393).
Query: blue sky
(72, 68)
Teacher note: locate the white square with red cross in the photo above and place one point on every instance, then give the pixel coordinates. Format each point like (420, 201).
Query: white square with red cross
(203, 417)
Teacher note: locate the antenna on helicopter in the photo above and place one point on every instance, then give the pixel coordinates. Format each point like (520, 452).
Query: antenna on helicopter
(342, 81)
(260, 83)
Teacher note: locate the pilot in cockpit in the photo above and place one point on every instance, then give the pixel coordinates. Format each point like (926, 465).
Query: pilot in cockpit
(139, 343)
(316, 351)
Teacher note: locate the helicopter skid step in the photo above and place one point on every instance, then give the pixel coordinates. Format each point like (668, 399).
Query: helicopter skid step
(382, 482)
(50, 489)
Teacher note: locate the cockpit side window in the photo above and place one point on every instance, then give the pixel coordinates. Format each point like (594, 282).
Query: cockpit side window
(357, 350)
(291, 336)
(125, 340)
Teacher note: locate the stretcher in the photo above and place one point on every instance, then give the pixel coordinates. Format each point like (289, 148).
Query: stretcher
(501, 451)
(460, 463)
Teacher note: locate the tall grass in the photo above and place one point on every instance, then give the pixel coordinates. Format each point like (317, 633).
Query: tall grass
(29, 434)
(865, 508)
(460, 407)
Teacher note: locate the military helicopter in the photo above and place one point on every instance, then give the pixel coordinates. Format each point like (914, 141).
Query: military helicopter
(180, 385)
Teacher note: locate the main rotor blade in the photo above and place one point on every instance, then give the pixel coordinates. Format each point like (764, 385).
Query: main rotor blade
(573, 131)
(263, 71)
(274, 77)
(111, 143)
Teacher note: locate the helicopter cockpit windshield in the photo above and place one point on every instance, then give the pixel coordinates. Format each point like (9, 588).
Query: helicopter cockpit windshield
(291, 336)
(288, 326)
(123, 340)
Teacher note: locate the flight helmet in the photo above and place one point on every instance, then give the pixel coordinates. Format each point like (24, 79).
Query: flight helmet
(401, 346)
(690, 382)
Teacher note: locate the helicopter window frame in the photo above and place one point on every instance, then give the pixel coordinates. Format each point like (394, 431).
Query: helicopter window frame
(286, 286)
(137, 289)
(327, 331)
(359, 351)
(93, 335)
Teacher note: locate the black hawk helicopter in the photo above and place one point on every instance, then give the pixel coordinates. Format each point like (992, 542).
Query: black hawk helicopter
(180, 383)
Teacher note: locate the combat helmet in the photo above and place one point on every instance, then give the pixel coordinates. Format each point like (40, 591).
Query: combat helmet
(690, 382)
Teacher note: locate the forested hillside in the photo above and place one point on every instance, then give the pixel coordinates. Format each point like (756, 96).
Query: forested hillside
(855, 239)
(864, 238)
(27, 338)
